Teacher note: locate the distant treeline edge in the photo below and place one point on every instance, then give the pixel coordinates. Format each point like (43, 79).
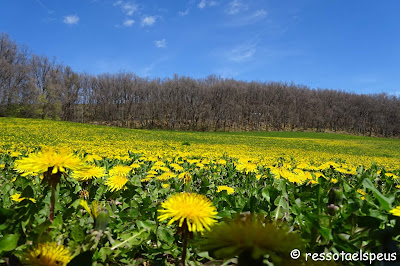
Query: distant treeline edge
(38, 87)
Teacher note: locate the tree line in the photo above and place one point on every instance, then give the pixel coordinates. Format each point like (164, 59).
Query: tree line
(36, 86)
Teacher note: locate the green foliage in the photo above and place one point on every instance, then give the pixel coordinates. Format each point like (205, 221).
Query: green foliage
(340, 211)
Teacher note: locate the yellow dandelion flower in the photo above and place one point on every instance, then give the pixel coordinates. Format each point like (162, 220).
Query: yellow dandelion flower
(147, 179)
(281, 172)
(47, 254)
(205, 161)
(319, 174)
(3, 165)
(17, 197)
(15, 154)
(46, 160)
(135, 165)
(312, 181)
(303, 166)
(116, 182)
(120, 170)
(176, 167)
(196, 209)
(296, 177)
(165, 185)
(156, 167)
(398, 186)
(185, 176)
(334, 180)
(164, 169)
(362, 192)
(395, 211)
(88, 173)
(165, 176)
(91, 158)
(229, 190)
(221, 161)
(158, 163)
(200, 165)
(391, 175)
(152, 172)
(193, 161)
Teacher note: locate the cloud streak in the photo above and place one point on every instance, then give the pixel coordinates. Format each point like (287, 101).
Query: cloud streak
(235, 7)
(241, 53)
(128, 8)
(45, 7)
(161, 43)
(183, 13)
(129, 22)
(205, 3)
(71, 19)
(148, 21)
(148, 70)
(247, 19)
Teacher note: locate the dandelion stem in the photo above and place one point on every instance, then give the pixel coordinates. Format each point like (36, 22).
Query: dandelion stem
(52, 202)
(185, 235)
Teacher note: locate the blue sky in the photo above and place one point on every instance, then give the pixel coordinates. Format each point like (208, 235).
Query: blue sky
(348, 45)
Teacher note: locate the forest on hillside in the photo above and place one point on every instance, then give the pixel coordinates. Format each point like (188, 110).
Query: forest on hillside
(37, 86)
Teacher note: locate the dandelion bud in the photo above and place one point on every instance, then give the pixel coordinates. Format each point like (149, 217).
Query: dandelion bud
(332, 209)
(336, 196)
(101, 221)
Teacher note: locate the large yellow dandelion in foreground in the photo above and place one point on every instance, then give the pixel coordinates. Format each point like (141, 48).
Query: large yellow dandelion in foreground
(116, 182)
(121, 170)
(196, 209)
(47, 254)
(88, 173)
(48, 159)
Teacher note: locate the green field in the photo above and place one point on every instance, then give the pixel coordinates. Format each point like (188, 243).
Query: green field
(263, 147)
(73, 192)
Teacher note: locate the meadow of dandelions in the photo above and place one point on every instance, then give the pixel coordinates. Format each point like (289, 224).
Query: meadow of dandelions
(67, 206)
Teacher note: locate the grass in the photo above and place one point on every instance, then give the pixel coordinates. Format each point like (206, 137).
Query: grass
(256, 146)
(284, 177)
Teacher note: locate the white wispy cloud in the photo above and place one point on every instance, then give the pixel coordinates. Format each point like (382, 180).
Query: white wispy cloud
(148, 21)
(128, 22)
(246, 19)
(235, 7)
(45, 7)
(241, 53)
(183, 13)
(127, 7)
(161, 43)
(202, 4)
(205, 3)
(259, 13)
(148, 70)
(71, 19)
